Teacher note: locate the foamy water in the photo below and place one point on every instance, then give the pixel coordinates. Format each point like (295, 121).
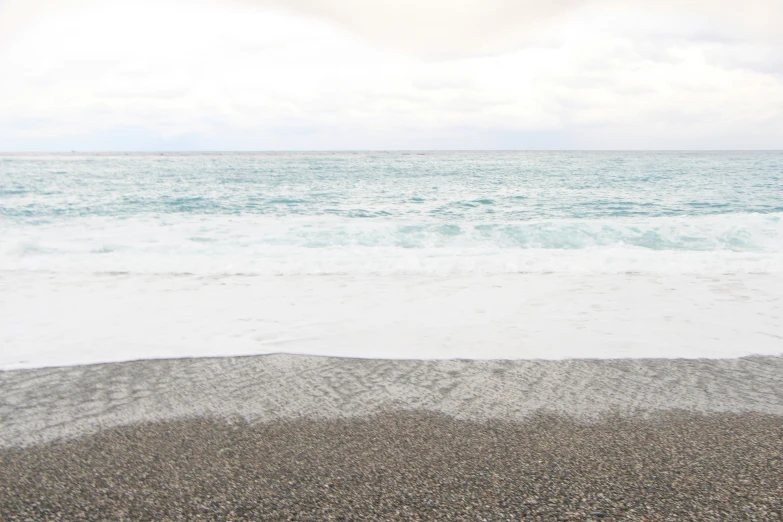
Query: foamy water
(398, 255)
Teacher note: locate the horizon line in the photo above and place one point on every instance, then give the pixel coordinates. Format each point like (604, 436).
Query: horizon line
(310, 151)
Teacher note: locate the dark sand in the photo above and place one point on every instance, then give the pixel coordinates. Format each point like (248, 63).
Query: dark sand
(407, 466)
(311, 438)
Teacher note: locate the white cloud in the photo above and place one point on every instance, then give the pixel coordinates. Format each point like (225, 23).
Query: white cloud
(476, 27)
(124, 75)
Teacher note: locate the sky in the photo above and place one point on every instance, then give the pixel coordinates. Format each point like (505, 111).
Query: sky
(120, 75)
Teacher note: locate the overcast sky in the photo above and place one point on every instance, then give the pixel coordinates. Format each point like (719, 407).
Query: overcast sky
(405, 74)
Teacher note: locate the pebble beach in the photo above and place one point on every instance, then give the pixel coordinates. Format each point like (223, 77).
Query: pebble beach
(287, 437)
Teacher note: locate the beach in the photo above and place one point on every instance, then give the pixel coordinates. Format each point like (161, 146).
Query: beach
(307, 438)
(368, 335)
(425, 260)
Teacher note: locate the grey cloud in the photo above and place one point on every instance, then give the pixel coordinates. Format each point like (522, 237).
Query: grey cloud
(763, 59)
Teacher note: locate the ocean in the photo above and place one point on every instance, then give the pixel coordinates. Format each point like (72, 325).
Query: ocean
(510, 255)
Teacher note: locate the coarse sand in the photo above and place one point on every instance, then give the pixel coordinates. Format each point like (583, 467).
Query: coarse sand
(287, 437)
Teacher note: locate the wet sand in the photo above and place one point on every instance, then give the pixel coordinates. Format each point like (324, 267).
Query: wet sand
(310, 438)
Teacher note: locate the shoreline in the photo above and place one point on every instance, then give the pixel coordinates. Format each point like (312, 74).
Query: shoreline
(48, 404)
(68, 318)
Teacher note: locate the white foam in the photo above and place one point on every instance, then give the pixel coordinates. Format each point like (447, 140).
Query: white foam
(53, 319)
(214, 245)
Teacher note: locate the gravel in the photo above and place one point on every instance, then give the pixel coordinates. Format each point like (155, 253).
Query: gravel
(406, 465)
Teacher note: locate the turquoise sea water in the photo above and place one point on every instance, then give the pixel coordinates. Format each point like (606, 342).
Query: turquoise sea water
(389, 211)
